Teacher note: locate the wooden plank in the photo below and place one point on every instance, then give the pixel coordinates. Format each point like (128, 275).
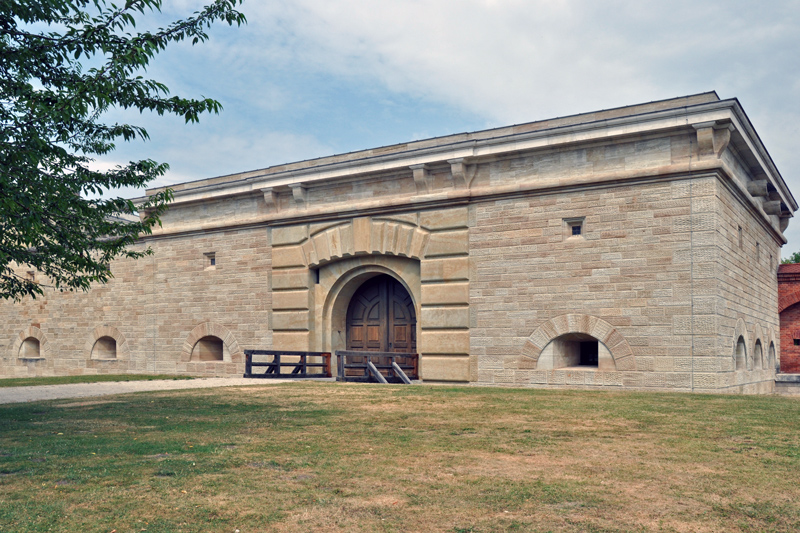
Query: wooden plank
(375, 374)
(299, 368)
(400, 373)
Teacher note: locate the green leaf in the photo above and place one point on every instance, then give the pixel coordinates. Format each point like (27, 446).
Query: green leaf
(51, 128)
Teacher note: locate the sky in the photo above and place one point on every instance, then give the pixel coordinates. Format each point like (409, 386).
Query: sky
(311, 78)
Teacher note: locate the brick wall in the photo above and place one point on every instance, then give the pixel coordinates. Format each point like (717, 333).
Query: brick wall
(789, 305)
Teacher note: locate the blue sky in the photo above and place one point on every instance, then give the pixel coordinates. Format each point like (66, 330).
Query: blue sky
(309, 78)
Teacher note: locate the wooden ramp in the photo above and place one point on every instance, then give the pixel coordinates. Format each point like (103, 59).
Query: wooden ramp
(377, 367)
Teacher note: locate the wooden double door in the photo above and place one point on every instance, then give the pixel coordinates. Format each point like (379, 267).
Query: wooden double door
(381, 318)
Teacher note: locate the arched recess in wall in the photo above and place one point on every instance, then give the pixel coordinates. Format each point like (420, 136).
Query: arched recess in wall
(772, 351)
(365, 236)
(30, 344)
(346, 277)
(209, 342)
(789, 299)
(757, 357)
(741, 340)
(107, 343)
(573, 328)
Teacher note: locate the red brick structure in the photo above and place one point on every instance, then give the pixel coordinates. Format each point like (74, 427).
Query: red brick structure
(789, 309)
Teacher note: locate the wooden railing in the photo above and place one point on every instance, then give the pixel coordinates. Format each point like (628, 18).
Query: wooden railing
(392, 367)
(276, 360)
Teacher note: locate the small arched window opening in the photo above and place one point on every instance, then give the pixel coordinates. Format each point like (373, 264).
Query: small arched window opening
(30, 349)
(758, 355)
(771, 364)
(575, 350)
(741, 354)
(208, 348)
(104, 348)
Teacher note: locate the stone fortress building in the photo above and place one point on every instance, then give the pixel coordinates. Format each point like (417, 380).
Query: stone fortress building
(628, 248)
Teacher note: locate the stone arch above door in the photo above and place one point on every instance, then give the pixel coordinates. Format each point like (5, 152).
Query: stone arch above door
(364, 236)
(582, 324)
(340, 281)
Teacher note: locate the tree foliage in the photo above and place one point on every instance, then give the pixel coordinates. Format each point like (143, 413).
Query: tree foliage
(63, 65)
(794, 258)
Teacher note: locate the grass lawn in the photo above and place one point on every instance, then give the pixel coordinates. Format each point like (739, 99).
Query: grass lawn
(332, 457)
(61, 380)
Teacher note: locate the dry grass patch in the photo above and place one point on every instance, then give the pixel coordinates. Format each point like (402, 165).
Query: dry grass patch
(332, 457)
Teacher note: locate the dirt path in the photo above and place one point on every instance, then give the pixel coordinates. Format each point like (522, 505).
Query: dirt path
(85, 390)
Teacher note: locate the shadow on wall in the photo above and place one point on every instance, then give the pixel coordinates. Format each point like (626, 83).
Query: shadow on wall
(576, 350)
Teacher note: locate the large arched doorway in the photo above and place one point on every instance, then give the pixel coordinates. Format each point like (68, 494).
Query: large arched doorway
(381, 317)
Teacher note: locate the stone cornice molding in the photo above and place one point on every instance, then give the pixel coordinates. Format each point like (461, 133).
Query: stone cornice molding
(729, 125)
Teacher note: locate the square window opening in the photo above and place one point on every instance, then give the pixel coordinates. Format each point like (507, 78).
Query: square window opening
(574, 228)
(210, 260)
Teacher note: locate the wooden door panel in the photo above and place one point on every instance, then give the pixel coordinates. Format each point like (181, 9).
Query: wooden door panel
(381, 317)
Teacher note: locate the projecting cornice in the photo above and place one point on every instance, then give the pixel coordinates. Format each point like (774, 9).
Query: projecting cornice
(719, 124)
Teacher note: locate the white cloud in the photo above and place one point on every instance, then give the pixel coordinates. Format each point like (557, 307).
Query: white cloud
(507, 61)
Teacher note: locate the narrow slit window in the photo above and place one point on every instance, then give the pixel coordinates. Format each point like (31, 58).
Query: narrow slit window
(210, 260)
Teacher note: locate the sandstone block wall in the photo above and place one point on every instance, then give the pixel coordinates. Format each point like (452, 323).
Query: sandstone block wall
(652, 237)
(155, 308)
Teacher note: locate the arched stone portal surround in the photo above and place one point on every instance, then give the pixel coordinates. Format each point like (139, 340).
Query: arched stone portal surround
(339, 282)
(317, 267)
(562, 326)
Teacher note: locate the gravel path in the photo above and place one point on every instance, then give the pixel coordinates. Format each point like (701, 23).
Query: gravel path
(85, 390)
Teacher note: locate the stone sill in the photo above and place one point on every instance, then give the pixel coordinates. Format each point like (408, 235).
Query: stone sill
(787, 378)
(32, 358)
(105, 359)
